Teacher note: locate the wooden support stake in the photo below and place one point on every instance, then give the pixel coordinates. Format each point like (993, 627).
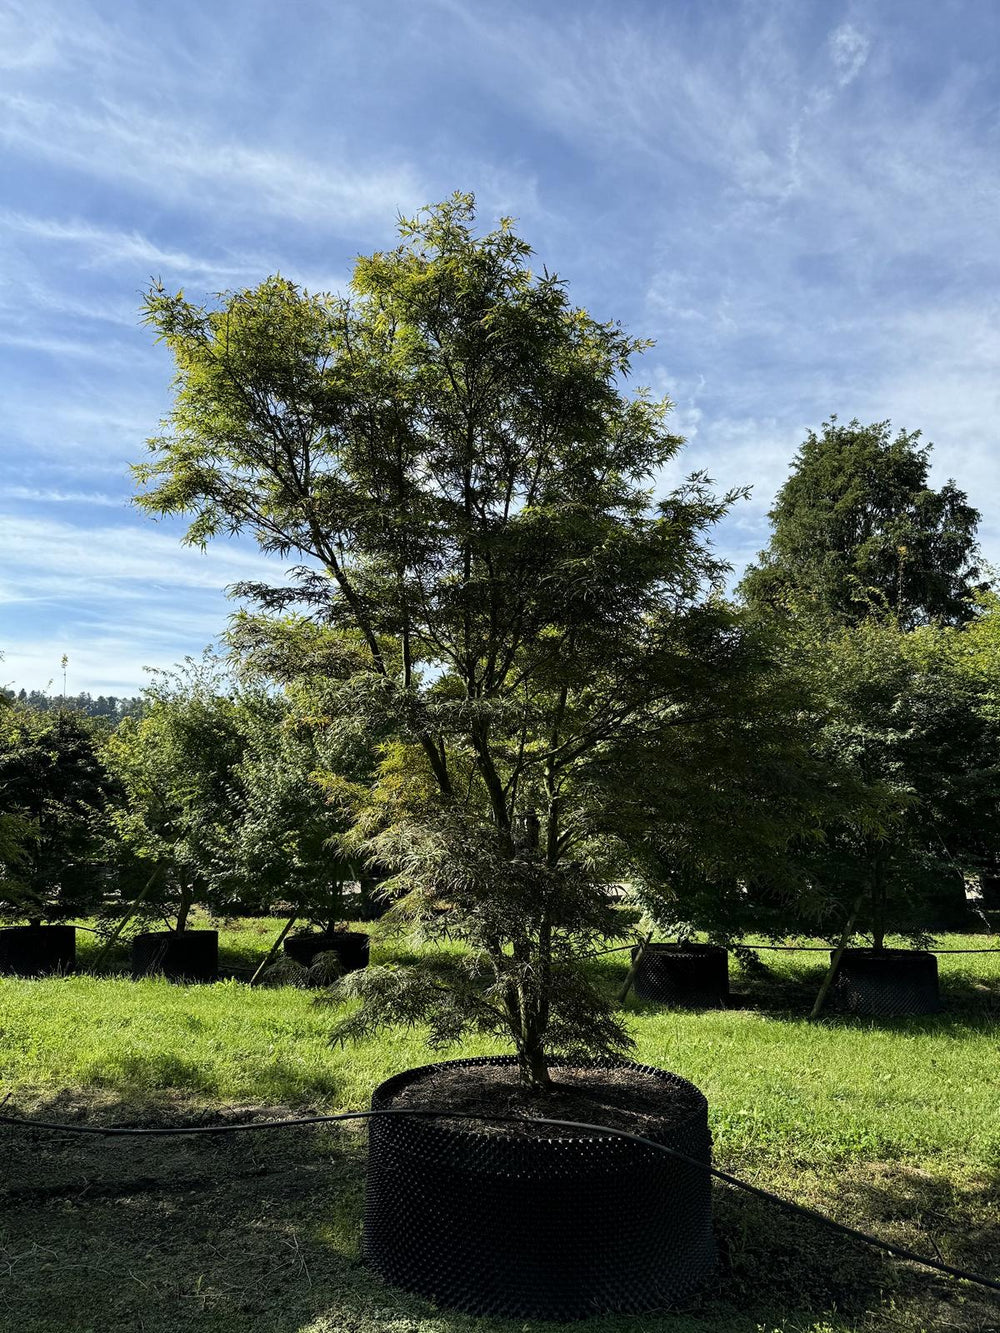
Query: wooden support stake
(273, 950)
(109, 943)
(630, 976)
(835, 960)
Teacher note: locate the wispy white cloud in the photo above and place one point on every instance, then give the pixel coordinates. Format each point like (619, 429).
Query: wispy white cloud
(47, 560)
(85, 436)
(742, 122)
(80, 347)
(50, 559)
(46, 37)
(102, 660)
(171, 159)
(29, 38)
(21, 51)
(938, 375)
(613, 84)
(849, 50)
(114, 249)
(57, 496)
(116, 598)
(29, 292)
(798, 203)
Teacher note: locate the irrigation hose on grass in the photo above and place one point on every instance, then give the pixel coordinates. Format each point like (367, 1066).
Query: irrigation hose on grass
(898, 1251)
(776, 948)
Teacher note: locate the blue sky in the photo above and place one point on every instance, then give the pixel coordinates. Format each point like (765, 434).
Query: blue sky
(797, 200)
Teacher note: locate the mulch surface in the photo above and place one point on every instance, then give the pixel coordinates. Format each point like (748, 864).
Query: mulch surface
(621, 1098)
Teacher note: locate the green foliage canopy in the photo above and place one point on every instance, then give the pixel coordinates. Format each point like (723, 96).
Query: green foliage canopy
(54, 829)
(917, 738)
(857, 530)
(175, 765)
(287, 843)
(450, 456)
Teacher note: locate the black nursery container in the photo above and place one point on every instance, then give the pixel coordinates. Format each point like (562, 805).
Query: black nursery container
(350, 946)
(537, 1228)
(37, 951)
(186, 955)
(691, 975)
(896, 983)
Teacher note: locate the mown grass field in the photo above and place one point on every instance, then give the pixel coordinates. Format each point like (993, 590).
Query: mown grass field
(893, 1127)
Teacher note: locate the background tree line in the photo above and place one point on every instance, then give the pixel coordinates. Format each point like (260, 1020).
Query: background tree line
(111, 706)
(877, 689)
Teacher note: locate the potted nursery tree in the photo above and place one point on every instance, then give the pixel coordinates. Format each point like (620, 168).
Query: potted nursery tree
(55, 794)
(450, 456)
(869, 566)
(912, 738)
(285, 850)
(720, 857)
(175, 766)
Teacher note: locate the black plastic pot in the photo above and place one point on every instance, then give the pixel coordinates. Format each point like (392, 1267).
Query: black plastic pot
(692, 975)
(37, 951)
(537, 1228)
(372, 906)
(989, 891)
(186, 955)
(895, 983)
(350, 946)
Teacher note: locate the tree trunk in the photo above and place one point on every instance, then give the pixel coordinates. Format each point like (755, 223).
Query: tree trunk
(644, 944)
(989, 886)
(112, 938)
(534, 1065)
(184, 907)
(531, 1019)
(878, 903)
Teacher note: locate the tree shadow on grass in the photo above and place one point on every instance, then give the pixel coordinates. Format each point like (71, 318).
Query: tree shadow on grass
(968, 1002)
(260, 1230)
(208, 1232)
(771, 1255)
(146, 1076)
(968, 1006)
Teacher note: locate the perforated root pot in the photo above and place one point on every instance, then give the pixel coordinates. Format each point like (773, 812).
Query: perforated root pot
(37, 951)
(562, 1227)
(897, 983)
(350, 946)
(186, 955)
(694, 976)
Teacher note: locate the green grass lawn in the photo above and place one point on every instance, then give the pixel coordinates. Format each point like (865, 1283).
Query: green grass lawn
(893, 1127)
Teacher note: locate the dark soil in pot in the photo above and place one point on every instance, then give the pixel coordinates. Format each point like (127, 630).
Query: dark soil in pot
(695, 976)
(350, 946)
(537, 1222)
(37, 951)
(895, 983)
(187, 955)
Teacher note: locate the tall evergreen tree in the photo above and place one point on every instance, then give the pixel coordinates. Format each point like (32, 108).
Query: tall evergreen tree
(858, 530)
